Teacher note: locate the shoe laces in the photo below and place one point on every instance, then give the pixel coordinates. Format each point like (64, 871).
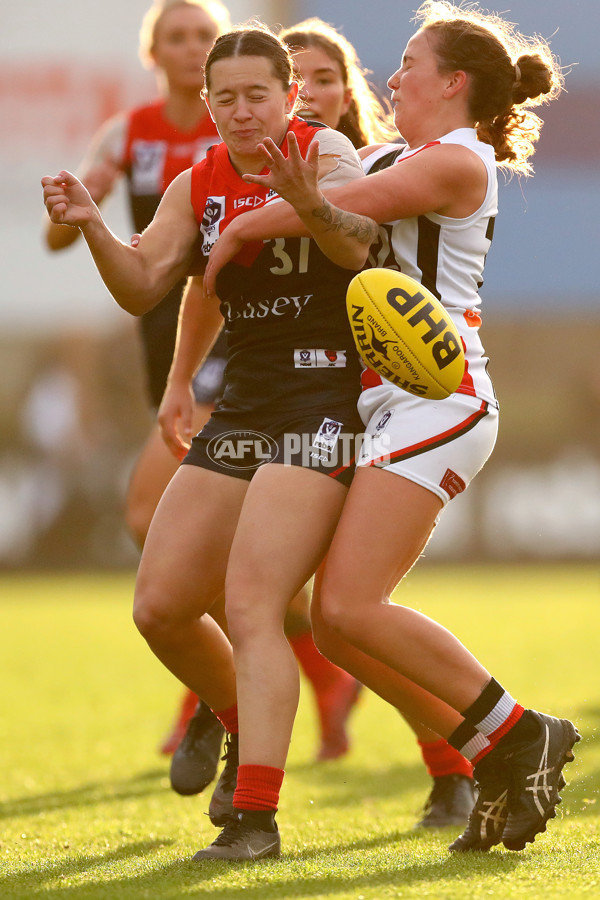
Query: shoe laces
(233, 831)
(231, 759)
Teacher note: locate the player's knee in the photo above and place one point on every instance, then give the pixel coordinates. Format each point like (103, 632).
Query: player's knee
(242, 621)
(152, 617)
(247, 616)
(338, 616)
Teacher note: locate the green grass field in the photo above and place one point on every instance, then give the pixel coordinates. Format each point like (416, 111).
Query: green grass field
(86, 807)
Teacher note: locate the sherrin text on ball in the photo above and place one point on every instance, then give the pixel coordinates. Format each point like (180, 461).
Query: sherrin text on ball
(404, 333)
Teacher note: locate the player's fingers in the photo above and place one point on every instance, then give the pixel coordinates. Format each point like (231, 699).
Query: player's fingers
(266, 152)
(274, 151)
(135, 239)
(312, 157)
(293, 148)
(56, 205)
(66, 178)
(208, 282)
(57, 213)
(54, 195)
(185, 425)
(170, 436)
(54, 190)
(255, 179)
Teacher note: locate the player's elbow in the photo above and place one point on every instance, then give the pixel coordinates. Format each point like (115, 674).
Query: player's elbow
(138, 302)
(353, 257)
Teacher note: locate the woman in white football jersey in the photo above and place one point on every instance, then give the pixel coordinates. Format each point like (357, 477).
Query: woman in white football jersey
(461, 102)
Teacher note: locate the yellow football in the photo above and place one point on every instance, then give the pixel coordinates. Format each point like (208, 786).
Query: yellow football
(404, 333)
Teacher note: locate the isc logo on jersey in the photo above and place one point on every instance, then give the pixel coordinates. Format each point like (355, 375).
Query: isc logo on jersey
(404, 333)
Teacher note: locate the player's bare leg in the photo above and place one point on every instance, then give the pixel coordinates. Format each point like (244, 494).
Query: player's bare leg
(276, 549)
(512, 748)
(335, 691)
(182, 573)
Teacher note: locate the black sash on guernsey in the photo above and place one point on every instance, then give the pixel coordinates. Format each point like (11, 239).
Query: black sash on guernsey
(385, 161)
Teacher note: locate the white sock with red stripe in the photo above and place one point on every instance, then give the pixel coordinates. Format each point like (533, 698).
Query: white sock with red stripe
(487, 720)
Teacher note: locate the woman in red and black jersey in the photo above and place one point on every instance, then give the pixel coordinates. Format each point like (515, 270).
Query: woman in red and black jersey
(252, 510)
(150, 145)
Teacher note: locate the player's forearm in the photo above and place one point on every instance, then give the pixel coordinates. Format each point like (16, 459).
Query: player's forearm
(277, 219)
(200, 322)
(58, 237)
(342, 236)
(133, 284)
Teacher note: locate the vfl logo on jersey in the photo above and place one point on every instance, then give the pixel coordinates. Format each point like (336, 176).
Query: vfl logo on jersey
(214, 211)
(327, 436)
(319, 359)
(147, 166)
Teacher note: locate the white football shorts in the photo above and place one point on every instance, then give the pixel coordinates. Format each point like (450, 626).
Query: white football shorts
(439, 444)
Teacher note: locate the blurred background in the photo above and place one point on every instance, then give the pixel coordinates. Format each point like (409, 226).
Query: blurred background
(72, 408)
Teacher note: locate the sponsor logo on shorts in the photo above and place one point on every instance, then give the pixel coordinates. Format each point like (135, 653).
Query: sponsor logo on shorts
(241, 449)
(320, 359)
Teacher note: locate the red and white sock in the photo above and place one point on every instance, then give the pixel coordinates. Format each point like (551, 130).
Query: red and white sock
(487, 720)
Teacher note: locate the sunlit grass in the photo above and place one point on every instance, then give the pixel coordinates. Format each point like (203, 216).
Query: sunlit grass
(85, 802)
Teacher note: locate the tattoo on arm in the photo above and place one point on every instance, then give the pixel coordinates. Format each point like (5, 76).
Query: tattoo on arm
(361, 227)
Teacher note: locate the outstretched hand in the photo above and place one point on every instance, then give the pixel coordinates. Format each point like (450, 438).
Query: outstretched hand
(67, 200)
(292, 177)
(295, 179)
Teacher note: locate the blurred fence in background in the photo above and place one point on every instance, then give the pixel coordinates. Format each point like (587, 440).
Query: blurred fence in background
(73, 418)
